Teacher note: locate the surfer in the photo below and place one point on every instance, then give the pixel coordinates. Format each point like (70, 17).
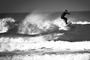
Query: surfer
(63, 16)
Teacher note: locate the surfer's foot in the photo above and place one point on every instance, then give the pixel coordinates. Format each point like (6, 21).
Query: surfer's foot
(66, 23)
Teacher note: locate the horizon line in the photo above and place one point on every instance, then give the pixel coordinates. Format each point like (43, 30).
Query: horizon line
(45, 11)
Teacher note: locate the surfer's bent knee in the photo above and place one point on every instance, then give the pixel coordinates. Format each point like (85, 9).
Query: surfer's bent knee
(62, 17)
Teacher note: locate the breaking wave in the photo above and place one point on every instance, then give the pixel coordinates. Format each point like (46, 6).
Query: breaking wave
(5, 24)
(36, 23)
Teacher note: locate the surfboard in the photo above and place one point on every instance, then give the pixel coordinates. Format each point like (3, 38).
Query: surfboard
(69, 23)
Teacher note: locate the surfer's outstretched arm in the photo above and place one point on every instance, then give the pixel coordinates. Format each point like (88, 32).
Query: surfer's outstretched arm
(68, 13)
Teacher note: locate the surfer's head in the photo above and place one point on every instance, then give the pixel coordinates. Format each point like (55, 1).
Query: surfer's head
(66, 10)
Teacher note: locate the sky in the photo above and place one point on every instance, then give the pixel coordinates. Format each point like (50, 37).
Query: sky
(9, 6)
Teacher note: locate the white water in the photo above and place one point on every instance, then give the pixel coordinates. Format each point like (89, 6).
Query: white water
(39, 42)
(82, 23)
(4, 24)
(40, 23)
(27, 43)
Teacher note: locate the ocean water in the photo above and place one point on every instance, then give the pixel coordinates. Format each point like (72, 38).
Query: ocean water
(80, 16)
(36, 36)
(43, 21)
(77, 15)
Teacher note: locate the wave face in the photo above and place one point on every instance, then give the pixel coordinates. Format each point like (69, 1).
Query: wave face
(37, 23)
(6, 24)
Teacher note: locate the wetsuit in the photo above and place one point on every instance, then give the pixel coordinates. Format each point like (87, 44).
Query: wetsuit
(63, 16)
